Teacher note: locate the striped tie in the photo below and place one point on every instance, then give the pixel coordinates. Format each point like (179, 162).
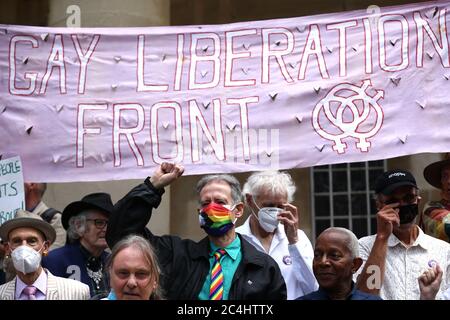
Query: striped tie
(216, 288)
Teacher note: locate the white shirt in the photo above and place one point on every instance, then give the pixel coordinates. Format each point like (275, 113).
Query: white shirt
(446, 295)
(294, 260)
(405, 265)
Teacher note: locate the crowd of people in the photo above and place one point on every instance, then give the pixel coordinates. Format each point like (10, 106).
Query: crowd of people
(96, 250)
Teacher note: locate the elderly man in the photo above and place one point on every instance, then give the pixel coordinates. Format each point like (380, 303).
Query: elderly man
(222, 266)
(436, 214)
(398, 253)
(336, 259)
(273, 228)
(28, 238)
(34, 204)
(84, 257)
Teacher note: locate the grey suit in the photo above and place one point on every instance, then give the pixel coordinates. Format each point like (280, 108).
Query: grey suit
(57, 289)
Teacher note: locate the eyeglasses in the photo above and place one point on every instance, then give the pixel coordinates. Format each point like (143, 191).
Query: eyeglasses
(99, 223)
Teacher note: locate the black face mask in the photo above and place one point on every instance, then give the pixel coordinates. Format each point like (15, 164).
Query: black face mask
(408, 213)
(447, 229)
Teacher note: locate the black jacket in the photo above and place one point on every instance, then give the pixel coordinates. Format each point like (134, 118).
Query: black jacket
(185, 263)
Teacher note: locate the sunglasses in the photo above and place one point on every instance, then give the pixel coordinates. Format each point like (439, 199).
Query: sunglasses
(407, 198)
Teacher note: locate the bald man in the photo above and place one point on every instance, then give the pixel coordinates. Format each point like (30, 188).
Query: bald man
(336, 259)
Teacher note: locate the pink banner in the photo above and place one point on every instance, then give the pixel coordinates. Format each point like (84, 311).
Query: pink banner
(111, 103)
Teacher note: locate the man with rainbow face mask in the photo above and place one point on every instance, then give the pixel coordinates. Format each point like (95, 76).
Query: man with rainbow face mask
(223, 265)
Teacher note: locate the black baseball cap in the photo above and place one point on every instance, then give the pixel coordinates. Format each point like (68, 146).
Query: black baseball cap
(393, 179)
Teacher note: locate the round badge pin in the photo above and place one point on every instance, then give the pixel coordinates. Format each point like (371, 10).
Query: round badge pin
(287, 260)
(432, 263)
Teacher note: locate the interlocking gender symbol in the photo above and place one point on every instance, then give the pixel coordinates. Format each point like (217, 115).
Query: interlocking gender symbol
(345, 95)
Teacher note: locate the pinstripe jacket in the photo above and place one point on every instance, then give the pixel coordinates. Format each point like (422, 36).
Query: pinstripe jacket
(57, 289)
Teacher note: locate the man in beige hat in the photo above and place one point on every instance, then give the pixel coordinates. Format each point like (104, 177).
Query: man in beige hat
(27, 238)
(436, 214)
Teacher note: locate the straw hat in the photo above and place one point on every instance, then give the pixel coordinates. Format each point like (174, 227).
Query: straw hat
(25, 219)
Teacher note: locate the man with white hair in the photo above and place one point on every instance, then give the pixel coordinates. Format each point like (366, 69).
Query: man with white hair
(273, 228)
(83, 258)
(336, 259)
(222, 266)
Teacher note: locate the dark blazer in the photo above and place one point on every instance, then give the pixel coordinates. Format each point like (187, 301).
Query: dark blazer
(69, 262)
(185, 263)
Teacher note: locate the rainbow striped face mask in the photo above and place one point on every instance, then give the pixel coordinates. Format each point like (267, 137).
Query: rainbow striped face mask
(215, 219)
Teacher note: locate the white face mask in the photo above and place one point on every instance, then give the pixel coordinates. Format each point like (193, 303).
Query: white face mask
(267, 217)
(26, 259)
